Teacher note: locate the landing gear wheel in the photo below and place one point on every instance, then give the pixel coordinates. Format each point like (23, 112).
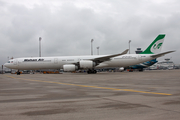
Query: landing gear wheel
(91, 71)
(18, 73)
(141, 70)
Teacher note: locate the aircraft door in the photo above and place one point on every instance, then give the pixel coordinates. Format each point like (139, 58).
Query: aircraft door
(15, 62)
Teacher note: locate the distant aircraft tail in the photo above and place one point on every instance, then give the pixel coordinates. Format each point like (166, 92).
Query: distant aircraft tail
(155, 46)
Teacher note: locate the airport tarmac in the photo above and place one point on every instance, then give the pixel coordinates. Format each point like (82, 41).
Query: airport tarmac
(148, 95)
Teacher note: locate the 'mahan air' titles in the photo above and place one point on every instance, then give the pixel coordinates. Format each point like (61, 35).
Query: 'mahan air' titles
(32, 60)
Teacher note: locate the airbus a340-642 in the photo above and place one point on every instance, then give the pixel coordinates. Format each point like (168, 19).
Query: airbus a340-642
(89, 62)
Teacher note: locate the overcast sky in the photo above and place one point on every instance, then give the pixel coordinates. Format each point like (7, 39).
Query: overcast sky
(67, 26)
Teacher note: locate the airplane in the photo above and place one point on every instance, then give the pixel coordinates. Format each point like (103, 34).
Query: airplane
(141, 65)
(89, 62)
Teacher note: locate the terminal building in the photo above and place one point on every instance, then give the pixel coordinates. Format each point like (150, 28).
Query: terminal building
(166, 64)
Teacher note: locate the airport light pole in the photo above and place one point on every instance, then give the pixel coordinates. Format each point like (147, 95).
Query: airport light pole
(129, 46)
(92, 46)
(40, 46)
(97, 50)
(2, 69)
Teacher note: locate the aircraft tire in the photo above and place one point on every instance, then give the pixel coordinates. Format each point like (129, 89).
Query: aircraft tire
(91, 71)
(18, 73)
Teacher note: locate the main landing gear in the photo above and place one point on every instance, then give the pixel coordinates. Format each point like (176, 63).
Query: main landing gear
(141, 70)
(18, 73)
(91, 71)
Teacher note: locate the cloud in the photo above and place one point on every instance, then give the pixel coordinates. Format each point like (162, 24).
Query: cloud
(67, 27)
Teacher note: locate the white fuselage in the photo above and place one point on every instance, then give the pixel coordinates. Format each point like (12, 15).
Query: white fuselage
(35, 63)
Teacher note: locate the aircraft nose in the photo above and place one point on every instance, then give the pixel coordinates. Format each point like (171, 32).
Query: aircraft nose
(5, 64)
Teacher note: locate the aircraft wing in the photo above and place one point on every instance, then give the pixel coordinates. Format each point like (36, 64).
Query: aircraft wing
(161, 54)
(106, 58)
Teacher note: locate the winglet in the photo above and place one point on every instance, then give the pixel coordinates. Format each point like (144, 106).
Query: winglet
(106, 58)
(124, 52)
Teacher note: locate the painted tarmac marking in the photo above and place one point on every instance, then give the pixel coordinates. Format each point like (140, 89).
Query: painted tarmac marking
(127, 90)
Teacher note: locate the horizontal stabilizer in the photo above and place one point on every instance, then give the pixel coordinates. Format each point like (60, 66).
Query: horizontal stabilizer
(161, 54)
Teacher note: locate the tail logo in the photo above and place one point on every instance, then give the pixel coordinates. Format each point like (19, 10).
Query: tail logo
(157, 46)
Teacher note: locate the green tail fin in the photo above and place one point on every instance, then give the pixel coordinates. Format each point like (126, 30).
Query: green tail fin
(155, 46)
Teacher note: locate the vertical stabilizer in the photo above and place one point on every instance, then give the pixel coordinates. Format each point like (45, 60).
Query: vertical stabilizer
(155, 46)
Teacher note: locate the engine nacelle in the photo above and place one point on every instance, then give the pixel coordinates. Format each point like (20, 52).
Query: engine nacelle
(69, 67)
(121, 69)
(86, 64)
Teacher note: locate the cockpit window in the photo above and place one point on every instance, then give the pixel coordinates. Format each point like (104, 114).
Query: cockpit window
(10, 61)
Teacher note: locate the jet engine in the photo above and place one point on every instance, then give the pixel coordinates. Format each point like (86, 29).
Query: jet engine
(69, 67)
(86, 64)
